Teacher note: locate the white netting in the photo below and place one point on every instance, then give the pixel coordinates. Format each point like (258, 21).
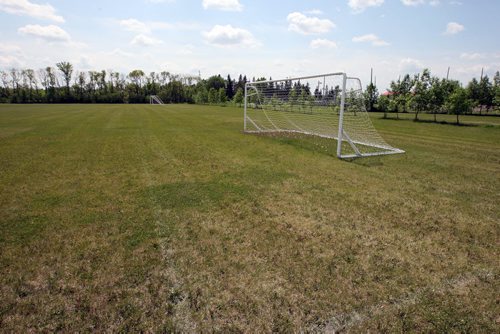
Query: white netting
(312, 106)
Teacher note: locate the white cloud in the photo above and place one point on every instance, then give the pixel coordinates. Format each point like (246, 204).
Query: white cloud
(24, 7)
(370, 38)
(410, 66)
(9, 48)
(314, 12)
(225, 5)
(50, 33)
(229, 36)
(307, 25)
(160, 1)
(10, 56)
(415, 3)
(412, 2)
(7, 61)
(360, 5)
(474, 70)
(472, 56)
(453, 28)
(278, 63)
(323, 43)
(83, 63)
(143, 40)
(147, 27)
(118, 53)
(185, 50)
(135, 25)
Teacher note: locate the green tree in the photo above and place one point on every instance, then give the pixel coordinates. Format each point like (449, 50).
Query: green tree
(174, 92)
(303, 97)
(136, 76)
(371, 97)
(239, 96)
(459, 103)
(401, 93)
(421, 97)
(496, 90)
(216, 82)
(486, 94)
(437, 95)
(292, 99)
(213, 96)
(51, 84)
(67, 70)
(473, 91)
(229, 87)
(201, 96)
(383, 103)
(222, 96)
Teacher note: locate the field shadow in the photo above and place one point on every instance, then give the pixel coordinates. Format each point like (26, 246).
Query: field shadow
(216, 192)
(302, 141)
(319, 145)
(368, 161)
(430, 121)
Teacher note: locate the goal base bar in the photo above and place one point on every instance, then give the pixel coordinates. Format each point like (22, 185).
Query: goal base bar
(384, 150)
(374, 154)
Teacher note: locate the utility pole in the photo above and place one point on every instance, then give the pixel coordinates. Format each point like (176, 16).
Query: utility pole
(448, 74)
(482, 72)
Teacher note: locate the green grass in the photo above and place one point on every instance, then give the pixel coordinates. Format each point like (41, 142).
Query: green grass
(169, 218)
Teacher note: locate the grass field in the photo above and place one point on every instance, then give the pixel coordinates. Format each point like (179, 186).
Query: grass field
(168, 218)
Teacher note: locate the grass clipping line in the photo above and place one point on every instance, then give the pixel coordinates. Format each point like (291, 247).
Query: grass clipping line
(182, 319)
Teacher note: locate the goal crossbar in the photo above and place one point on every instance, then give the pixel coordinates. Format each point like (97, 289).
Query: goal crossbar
(335, 110)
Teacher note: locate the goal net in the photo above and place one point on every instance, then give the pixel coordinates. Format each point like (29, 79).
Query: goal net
(329, 106)
(155, 99)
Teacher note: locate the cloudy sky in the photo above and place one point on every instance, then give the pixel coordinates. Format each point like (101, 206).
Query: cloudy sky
(255, 37)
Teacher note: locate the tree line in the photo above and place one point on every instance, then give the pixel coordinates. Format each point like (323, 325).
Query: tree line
(425, 93)
(61, 84)
(420, 93)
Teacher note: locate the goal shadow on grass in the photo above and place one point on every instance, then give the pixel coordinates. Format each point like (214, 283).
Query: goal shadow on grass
(430, 121)
(302, 141)
(319, 145)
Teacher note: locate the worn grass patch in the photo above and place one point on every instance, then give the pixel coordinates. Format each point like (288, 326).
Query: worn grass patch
(170, 219)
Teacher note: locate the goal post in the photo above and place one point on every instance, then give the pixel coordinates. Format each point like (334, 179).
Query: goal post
(328, 106)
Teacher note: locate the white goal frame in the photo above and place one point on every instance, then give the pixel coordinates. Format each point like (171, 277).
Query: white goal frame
(155, 99)
(341, 135)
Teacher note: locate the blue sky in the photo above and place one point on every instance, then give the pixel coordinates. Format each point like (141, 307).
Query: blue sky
(257, 38)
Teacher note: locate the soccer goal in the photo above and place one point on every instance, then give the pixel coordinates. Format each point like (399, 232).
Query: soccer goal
(155, 99)
(328, 106)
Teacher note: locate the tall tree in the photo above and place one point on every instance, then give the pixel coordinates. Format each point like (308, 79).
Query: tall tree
(15, 76)
(437, 95)
(371, 96)
(421, 97)
(136, 77)
(216, 82)
(473, 91)
(67, 70)
(459, 103)
(238, 97)
(486, 94)
(229, 88)
(496, 90)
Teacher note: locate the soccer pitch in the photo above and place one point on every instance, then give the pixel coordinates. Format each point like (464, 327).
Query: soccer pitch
(169, 218)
